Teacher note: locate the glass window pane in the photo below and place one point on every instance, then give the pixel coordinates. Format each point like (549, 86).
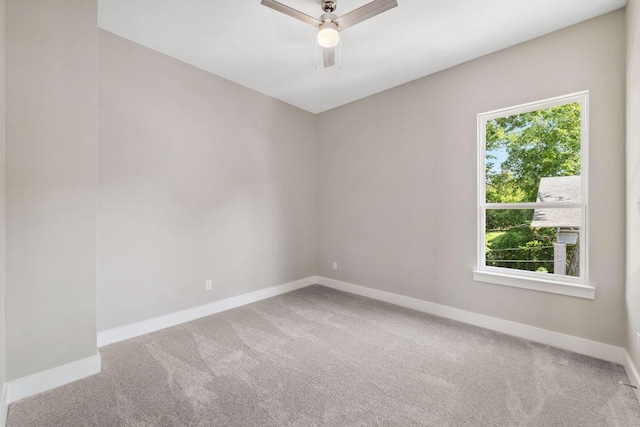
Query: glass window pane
(523, 150)
(539, 240)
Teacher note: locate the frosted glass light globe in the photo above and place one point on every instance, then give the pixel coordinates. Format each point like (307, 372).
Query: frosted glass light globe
(328, 34)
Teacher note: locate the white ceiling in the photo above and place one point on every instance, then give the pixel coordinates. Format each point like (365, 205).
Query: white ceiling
(274, 54)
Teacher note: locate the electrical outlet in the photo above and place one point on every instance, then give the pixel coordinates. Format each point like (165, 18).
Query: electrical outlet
(207, 285)
(334, 265)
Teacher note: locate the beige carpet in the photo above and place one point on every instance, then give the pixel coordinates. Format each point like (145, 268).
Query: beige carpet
(319, 357)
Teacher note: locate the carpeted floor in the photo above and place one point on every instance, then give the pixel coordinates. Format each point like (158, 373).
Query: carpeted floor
(320, 357)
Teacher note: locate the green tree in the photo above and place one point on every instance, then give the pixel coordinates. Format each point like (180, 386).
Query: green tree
(538, 144)
(503, 188)
(522, 248)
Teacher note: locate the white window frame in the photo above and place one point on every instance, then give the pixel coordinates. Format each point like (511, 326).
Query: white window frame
(564, 285)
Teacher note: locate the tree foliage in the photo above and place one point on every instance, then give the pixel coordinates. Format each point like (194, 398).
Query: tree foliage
(538, 144)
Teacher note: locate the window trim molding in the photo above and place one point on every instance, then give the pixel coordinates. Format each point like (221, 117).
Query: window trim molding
(535, 284)
(564, 285)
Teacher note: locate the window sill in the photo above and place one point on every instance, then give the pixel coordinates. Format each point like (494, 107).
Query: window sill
(554, 287)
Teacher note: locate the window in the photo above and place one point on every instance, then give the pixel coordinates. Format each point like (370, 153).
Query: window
(532, 228)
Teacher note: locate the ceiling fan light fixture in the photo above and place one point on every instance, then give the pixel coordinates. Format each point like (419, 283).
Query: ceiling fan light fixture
(329, 25)
(328, 34)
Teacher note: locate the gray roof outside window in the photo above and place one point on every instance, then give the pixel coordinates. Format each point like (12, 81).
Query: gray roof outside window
(558, 189)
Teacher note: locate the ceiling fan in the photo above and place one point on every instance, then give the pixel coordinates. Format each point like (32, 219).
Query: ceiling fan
(329, 25)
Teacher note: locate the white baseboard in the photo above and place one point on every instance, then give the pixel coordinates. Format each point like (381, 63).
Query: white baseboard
(632, 372)
(121, 333)
(567, 342)
(52, 378)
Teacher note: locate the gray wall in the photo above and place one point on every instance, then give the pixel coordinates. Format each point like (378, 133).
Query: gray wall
(633, 180)
(51, 141)
(198, 178)
(397, 180)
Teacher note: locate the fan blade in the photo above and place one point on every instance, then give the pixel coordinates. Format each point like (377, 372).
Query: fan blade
(328, 57)
(291, 12)
(365, 12)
